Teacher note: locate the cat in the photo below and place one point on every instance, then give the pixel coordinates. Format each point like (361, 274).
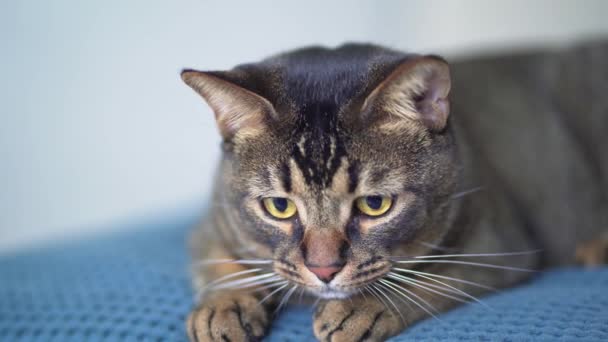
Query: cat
(393, 186)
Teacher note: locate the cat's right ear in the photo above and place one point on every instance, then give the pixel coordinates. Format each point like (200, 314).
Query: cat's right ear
(238, 111)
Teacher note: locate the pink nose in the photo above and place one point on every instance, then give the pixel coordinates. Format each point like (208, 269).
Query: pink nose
(325, 273)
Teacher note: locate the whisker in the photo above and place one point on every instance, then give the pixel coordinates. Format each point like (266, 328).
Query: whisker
(267, 287)
(256, 283)
(467, 192)
(285, 298)
(399, 288)
(244, 281)
(232, 275)
(390, 301)
(209, 262)
(362, 294)
(416, 283)
(477, 254)
(271, 294)
(426, 275)
(372, 291)
(301, 294)
(467, 263)
(399, 295)
(446, 287)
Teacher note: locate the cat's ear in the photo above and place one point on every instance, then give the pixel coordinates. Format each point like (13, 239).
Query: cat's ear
(416, 91)
(238, 111)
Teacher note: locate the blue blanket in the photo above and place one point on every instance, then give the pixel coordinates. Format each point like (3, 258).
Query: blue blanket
(134, 287)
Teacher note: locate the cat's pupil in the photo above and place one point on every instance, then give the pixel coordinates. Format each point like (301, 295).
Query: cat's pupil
(280, 204)
(374, 202)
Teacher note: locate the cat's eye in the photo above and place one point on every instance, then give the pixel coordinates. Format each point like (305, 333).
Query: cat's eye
(279, 207)
(374, 205)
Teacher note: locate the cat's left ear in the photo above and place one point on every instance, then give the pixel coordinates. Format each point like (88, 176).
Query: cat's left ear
(238, 111)
(415, 92)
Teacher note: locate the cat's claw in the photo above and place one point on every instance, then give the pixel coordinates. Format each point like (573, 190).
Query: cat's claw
(228, 317)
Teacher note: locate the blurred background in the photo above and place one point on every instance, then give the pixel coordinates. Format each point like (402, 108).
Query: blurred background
(96, 128)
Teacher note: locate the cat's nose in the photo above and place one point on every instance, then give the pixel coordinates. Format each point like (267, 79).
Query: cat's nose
(325, 273)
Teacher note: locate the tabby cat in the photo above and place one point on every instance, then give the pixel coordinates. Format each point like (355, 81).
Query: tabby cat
(344, 176)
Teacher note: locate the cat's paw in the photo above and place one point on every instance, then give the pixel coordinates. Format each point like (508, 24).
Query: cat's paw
(228, 317)
(357, 320)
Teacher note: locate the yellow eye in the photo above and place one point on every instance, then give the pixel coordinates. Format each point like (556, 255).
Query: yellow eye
(279, 207)
(374, 205)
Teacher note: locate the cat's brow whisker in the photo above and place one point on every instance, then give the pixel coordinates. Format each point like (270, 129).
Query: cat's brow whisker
(467, 192)
(466, 263)
(379, 288)
(243, 281)
(429, 289)
(399, 288)
(271, 294)
(477, 255)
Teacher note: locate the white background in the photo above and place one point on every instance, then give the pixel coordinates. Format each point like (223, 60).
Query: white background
(96, 127)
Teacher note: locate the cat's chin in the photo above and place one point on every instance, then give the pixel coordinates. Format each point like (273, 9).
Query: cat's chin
(328, 293)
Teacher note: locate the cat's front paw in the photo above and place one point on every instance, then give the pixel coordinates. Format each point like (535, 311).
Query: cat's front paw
(356, 320)
(228, 317)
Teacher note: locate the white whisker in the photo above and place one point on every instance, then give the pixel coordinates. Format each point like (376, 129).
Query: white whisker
(426, 274)
(417, 284)
(244, 281)
(399, 295)
(271, 293)
(466, 263)
(209, 262)
(399, 288)
(467, 192)
(232, 275)
(269, 286)
(372, 290)
(477, 255)
(301, 294)
(446, 287)
(285, 298)
(362, 294)
(390, 301)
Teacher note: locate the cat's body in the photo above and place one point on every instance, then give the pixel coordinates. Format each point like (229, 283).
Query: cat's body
(518, 166)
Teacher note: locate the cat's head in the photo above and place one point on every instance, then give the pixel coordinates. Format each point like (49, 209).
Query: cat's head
(334, 161)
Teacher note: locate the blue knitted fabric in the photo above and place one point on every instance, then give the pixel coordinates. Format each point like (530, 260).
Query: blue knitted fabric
(134, 287)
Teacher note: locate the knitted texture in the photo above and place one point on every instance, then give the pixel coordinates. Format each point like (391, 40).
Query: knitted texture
(134, 287)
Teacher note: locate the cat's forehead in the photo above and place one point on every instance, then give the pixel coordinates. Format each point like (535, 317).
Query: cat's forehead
(316, 80)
